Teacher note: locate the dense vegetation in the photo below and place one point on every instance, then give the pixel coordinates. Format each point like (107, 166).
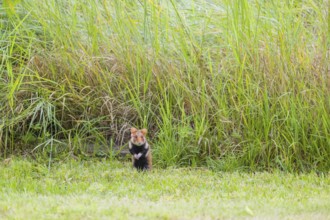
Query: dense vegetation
(240, 84)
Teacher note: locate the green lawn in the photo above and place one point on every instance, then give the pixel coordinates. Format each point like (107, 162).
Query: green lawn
(105, 189)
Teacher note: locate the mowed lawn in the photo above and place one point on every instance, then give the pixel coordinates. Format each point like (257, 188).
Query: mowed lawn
(103, 189)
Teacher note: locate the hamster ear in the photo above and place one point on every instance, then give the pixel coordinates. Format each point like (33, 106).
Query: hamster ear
(133, 130)
(144, 131)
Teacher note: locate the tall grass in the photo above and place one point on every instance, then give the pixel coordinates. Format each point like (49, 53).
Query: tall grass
(228, 84)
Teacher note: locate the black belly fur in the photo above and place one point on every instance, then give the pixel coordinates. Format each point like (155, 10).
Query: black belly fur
(142, 162)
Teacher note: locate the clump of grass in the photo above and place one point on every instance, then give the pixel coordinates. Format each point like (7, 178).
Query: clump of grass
(238, 82)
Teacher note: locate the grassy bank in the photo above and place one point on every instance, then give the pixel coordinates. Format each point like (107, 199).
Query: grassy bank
(103, 189)
(227, 84)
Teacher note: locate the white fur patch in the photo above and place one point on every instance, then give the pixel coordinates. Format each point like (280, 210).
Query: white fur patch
(146, 146)
(137, 144)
